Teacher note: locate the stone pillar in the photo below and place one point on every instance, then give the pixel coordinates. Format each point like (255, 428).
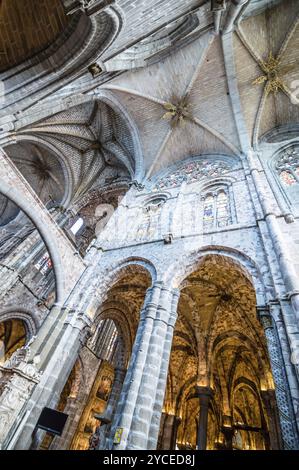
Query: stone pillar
(119, 376)
(169, 431)
(283, 318)
(205, 394)
(140, 404)
(269, 401)
(63, 442)
(283, 398)
(228, 431)
(161, 386)
(284, 258)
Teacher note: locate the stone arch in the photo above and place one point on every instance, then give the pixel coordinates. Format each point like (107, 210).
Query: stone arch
(109, 98)
(47, 237)
(243, 382)
(220, 181)
(185, 391)
(180, 270)
(290, 193)
(132, 265)
(217, 338)
(118, 270)
(280, 133)
(119, 313)
(29, 318)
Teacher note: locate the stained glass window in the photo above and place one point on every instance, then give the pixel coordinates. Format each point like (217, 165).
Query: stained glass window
(44, 264)
(208, 211)
(194, 171)
(287, 166)
(287, 178)
(222, 209)
(216, 209)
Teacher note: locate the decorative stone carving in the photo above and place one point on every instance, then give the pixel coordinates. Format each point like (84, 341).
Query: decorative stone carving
(89, 7)
(177, 112)
(18, 376)
(289, 218)
(168, 238)
(271, 75)
(95, 70)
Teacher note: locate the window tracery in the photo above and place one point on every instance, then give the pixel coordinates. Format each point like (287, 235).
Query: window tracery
(44, 264)
(217, 208)
(287, 166)
(194, 171)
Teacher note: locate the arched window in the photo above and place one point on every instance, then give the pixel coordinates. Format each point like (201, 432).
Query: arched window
(223, 209)
(287, 166)
(150, 223)
(208, 211)
(217, 208)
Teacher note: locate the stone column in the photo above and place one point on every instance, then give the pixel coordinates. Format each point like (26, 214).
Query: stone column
(269, 401)
(283, 398)
(228, 433)
(227, 430)
(161, 386)
(284, 258)
(138, 411)
(169, 431)
(119, 376)
(205, 394)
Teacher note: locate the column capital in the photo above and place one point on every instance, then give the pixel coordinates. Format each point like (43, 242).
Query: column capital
(204, 393)
(264, 316)
(269, 396)
(227, 421)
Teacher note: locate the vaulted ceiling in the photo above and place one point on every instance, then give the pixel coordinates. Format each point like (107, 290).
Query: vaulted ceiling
(193, 77)
(269, 99)
(180, 104)
(83, 148)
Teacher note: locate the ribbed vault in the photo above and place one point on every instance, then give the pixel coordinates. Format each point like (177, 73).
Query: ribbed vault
(267, 67)
(84, 148)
